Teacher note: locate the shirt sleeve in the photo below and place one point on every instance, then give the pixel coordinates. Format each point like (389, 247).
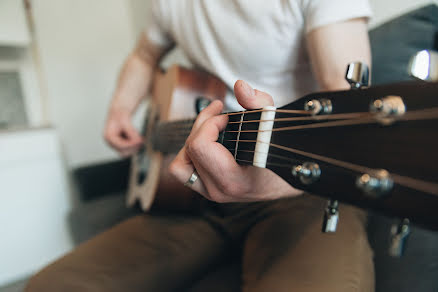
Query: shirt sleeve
(319, 13)
(156, 29)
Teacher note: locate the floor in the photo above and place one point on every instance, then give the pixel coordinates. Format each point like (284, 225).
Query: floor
(14, 287)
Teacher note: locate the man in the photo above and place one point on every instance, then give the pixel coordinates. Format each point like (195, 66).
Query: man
(287, 48)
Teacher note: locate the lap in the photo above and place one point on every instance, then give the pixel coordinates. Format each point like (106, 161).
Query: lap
(284, 250)
(288, 252)
(145, 253)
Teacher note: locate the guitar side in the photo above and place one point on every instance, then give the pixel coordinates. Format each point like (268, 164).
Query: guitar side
(173, 98)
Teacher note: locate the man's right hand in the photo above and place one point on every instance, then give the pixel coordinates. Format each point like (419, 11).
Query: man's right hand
(133, 85)
(120, 132)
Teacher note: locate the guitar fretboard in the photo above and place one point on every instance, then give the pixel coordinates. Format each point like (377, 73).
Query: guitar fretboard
(170, 137)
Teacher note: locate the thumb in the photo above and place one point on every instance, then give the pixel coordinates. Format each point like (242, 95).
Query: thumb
(250, 98)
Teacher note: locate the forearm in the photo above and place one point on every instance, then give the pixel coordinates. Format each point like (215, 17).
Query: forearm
(331, 48)
(136, 76)
(134, 83)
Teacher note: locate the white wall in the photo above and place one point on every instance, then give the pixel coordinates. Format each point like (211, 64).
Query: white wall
(83, 44)
(13, 24)
(139, 9)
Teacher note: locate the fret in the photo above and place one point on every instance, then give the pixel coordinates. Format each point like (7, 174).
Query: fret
(170, 137)
(229, 138)
(242, 151)
(238, 135)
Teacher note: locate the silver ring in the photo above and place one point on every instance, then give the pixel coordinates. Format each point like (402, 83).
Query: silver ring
(189, 183)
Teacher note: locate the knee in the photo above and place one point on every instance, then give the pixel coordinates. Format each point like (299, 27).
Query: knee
(49, 280)
(38, 282)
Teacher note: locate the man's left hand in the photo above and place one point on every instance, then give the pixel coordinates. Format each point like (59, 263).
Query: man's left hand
(220, 178)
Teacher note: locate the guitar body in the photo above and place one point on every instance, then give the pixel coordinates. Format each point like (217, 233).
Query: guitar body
(174, 97)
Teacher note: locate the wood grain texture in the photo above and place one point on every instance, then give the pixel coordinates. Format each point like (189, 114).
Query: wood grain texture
(173, 98)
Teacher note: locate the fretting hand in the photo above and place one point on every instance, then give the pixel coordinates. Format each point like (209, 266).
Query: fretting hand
(220, 178)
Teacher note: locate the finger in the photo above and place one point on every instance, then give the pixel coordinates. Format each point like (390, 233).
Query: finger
(131, 132)
(182, 168)
(116, 139)
(120, 141)
(209, 131)
(250, 98)
(213, 109)
(204, 152)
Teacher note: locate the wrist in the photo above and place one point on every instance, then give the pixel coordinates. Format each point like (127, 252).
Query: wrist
(118, 107)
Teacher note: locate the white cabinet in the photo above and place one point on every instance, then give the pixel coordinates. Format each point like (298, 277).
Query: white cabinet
(35, 202)
(13, 24)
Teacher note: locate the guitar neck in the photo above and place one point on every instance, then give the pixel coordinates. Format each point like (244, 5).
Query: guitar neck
(238, 137)
(169, 137)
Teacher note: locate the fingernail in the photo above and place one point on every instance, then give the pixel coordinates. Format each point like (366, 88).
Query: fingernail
(247, 88)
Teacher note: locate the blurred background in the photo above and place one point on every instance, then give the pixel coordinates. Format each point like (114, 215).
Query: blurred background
(59, 61)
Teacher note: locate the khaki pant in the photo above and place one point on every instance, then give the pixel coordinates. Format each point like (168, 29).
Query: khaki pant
(280, 244)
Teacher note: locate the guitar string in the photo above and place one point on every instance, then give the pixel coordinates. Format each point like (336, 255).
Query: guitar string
(189, 124)
(182, 135)
(323, 117)
(421, 185)
(337, 116)
(270, 154)
(409, 182)
(416, 184)
(411, 116)
(430, 113)
(302, 112)
(374, 118)
(268, 163)
(238, 136)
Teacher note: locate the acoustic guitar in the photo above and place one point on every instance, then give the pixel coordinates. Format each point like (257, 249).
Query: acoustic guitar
(373, 147)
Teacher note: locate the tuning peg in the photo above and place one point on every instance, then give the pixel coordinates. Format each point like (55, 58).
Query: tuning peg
(399, 236)
(331, 217)
(357, 75)
(319, 106)
(375, 185)
(308, 172)
(424, 65)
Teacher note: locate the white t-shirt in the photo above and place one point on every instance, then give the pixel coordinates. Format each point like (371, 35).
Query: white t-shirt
(259, 41)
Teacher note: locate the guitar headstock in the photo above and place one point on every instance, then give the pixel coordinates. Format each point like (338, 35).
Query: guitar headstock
(374, 147)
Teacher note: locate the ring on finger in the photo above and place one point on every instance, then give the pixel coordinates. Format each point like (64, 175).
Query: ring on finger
(192, 179)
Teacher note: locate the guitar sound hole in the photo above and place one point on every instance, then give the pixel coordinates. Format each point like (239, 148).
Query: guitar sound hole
(141, 177)
(143, 165)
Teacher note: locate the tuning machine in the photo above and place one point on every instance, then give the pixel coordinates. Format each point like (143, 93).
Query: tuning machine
(376, 184)
(399, 236)
(357, 75)
(319, 106)
(307, 173)
(331, 217)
